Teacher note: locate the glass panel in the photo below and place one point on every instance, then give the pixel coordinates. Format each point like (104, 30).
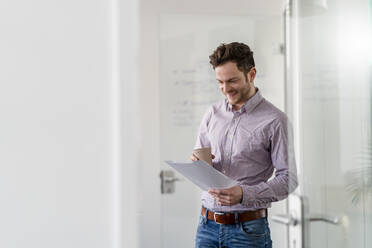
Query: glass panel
(333, 58)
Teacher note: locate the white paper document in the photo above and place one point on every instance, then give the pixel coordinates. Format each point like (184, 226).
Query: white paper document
(202, 174)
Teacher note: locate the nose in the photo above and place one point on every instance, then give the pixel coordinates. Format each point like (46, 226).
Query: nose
(225, 87)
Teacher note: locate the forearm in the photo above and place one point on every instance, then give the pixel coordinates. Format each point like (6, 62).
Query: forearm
(275, 189)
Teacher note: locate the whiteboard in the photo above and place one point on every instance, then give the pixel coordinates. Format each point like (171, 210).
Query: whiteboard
(187, 81)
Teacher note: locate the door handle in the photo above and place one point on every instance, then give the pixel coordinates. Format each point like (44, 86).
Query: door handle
(285, 219)
(325, 218)
(171, 180)
(289, 219)
(167, 181)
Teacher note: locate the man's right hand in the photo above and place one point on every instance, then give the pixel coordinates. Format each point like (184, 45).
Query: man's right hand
(193, 157)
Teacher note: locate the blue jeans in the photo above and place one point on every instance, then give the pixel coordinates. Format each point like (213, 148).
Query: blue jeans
(250, 234)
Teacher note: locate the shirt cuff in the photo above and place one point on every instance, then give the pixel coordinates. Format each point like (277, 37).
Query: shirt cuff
(249, 194)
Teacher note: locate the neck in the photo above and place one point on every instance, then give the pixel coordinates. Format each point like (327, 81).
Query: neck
(251, 92)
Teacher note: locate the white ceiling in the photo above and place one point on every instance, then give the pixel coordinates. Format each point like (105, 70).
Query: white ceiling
(225, 7)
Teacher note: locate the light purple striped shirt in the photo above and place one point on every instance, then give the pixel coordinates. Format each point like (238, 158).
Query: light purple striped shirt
(249, 144)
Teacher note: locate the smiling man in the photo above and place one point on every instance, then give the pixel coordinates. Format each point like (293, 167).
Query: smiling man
(250, 139)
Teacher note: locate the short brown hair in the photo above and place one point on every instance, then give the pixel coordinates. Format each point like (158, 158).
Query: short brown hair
(236, 52)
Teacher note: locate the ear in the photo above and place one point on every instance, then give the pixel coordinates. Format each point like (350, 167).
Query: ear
(252, 74)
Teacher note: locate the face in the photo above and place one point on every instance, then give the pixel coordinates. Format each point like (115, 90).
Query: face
(234, 85)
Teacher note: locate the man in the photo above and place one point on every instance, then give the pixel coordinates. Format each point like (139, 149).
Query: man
(249, 139)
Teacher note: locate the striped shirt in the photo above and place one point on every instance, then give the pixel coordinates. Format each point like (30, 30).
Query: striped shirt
(248, 145)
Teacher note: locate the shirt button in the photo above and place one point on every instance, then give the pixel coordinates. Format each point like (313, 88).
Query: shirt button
(224, 172)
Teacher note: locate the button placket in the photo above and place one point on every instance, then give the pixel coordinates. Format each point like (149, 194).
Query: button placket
(228, 147)
(232, 131)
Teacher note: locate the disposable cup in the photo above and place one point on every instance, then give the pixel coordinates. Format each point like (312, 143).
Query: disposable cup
(204, 154)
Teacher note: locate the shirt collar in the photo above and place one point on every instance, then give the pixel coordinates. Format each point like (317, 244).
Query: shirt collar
(248, 105)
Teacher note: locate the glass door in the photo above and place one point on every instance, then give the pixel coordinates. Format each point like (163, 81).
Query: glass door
(188, 87)
(329, 101)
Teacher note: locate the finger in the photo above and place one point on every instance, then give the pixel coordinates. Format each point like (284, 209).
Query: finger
(214, 195)
(225, 198)
(220, 192)
(218, 197)
(193, 157)
(223, 202)
(215, 191)
(212, 191)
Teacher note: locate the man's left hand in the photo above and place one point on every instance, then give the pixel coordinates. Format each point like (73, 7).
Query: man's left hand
(227, 197)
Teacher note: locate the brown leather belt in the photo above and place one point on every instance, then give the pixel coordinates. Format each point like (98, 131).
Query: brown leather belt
(229, 218)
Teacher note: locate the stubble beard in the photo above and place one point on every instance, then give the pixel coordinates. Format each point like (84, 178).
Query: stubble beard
(242, 95)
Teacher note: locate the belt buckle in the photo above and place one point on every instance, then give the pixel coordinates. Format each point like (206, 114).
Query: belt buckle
(217, 213)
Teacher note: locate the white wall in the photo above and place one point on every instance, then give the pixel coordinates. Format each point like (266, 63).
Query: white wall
(60, 116)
